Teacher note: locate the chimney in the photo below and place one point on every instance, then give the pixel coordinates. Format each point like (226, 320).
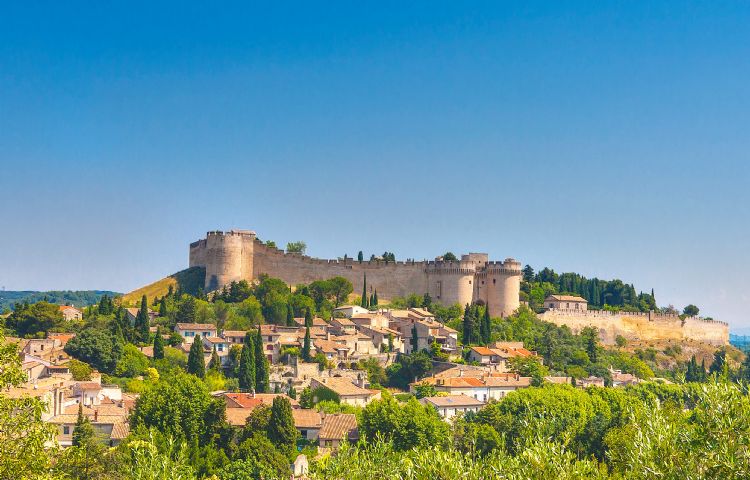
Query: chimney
(96, 415)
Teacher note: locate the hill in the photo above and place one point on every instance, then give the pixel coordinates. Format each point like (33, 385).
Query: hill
(189, 281)
(79, 298)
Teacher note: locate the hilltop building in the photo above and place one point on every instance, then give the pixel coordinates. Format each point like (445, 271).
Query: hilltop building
(239, 255)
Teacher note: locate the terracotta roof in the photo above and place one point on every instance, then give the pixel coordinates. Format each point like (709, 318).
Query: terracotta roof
(68, 307)
(339, 426)
(307, 418)
(196, 326)
(328, 346)
(235, 333)
(120, 431)
(484, 351)
(238, 416)
(498, 380)
(449, 401)
(343, 386)
(89, 386)
(215, 339)
(248, 400)
(557, 380)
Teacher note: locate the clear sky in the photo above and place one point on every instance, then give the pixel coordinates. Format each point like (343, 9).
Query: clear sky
(606, 138)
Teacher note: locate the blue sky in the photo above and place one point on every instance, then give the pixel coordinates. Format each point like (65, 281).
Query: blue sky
(607, 138)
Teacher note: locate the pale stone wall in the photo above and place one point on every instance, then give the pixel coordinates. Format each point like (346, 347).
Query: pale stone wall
(236, 255)
(641, 326)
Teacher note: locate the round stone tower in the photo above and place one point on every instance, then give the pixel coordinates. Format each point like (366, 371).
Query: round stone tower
(228, 257)
(503, 287)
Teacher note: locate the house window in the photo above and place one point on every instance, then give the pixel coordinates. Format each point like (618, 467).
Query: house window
(269, 347)
(66, 430)
(221, 347)
(329, 443)
(303, 433)
(494, 281)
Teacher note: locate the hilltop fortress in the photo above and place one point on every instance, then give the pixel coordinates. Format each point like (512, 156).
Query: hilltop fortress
(239, 255)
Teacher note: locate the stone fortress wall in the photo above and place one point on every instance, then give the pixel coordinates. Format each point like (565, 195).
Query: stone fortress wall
(238, 254)
(641, 326)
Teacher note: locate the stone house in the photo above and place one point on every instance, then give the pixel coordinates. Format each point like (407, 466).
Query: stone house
(492, 386)
(189, 331)
(336, 429)
(451, 405)
(308, 423)
(71, 313)
(348, 392)
(566, 302)
(349, 310)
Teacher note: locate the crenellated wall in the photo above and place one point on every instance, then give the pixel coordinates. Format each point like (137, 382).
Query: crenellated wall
(237, 255)
(641, 326)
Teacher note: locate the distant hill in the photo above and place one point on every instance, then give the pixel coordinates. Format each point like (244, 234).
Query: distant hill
(79, 298)
(189, 281)
(740, 341)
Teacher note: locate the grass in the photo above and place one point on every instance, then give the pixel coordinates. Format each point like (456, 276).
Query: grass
(189, 280)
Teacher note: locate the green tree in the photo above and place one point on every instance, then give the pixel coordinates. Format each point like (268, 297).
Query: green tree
(424, 389)
(529, 367)
(142, 321)
(306, 345)
(83, 432)
(215, 362)
(407, 426)
(158, 345)
(196, 364)
(308, 318)
(34, 320)
(591, 339)
(414, 339)
(468, 325)
(98, 348)
(246, 374)
(132, 362)
(296, 247)
(281, 430)
(360, 256)
(23, 433)
(262, 367)
(181, 408)
(186, 310)
(450, 257)
(364, 303)
(691, 310)
(289, 316)
(79, 370)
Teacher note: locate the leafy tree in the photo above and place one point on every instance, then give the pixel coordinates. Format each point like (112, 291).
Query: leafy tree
(246, 374)
(142, 321)
(408, 368)
(289, 316)
(691, 311)
(83, 432)
(186, 310)
(34, 320)
(281, 429)
(340, 288)
(407, 426)
(296, 247)
(158, 345)
(591, 339)
(262, 367)
(256, 458)
(528, 273)
(468, 325)
(196, 363)
(96, 347)
(529, 367)
(424, 389)
(79, 370)
(132, 362)
(306, 398)
(23, 433)
(181, 408)
(450, 257)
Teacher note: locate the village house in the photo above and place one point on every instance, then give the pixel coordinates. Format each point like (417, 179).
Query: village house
(336, 429)
(308, 423)
(348, 392)
(189, 331)
(620, 379)
(591, 381)
(566, 302)
(382, 338)
(428, 330)
(241, 405)
(451, 405)
(492, 386)
(131, 314)
(349, 311)
(343, 326)
(334, 351)
(71, 313)
(221, 346)
(499, 354)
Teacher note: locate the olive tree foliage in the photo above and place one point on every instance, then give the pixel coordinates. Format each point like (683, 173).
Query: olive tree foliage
(23, 434)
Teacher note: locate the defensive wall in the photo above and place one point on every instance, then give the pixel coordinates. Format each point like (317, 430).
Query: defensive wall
(238, 254)
(641, 326)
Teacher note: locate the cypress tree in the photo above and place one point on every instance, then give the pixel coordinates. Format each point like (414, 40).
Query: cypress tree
(281, 430)
(306, 345)
(308, 318)
(83, 432)
(360, 256)
(414, 339)
(375, 298)
(371, 301)
(364, 303)
(289, 316)
(196, 364)
(247, 364)
(487, 325)
(468, 325)
(141, 321)
(390, 342)
(158, 345)
(262, 383)
(292, 393)
(163, 308)
(215, 363)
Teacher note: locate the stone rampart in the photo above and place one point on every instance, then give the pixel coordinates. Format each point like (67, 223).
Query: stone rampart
(641, 326)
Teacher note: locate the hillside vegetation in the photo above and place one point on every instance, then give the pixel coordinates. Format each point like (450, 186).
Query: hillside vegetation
(79, 298)
(189, 281)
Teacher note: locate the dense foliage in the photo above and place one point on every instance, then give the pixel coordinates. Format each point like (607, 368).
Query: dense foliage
(79, 298)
